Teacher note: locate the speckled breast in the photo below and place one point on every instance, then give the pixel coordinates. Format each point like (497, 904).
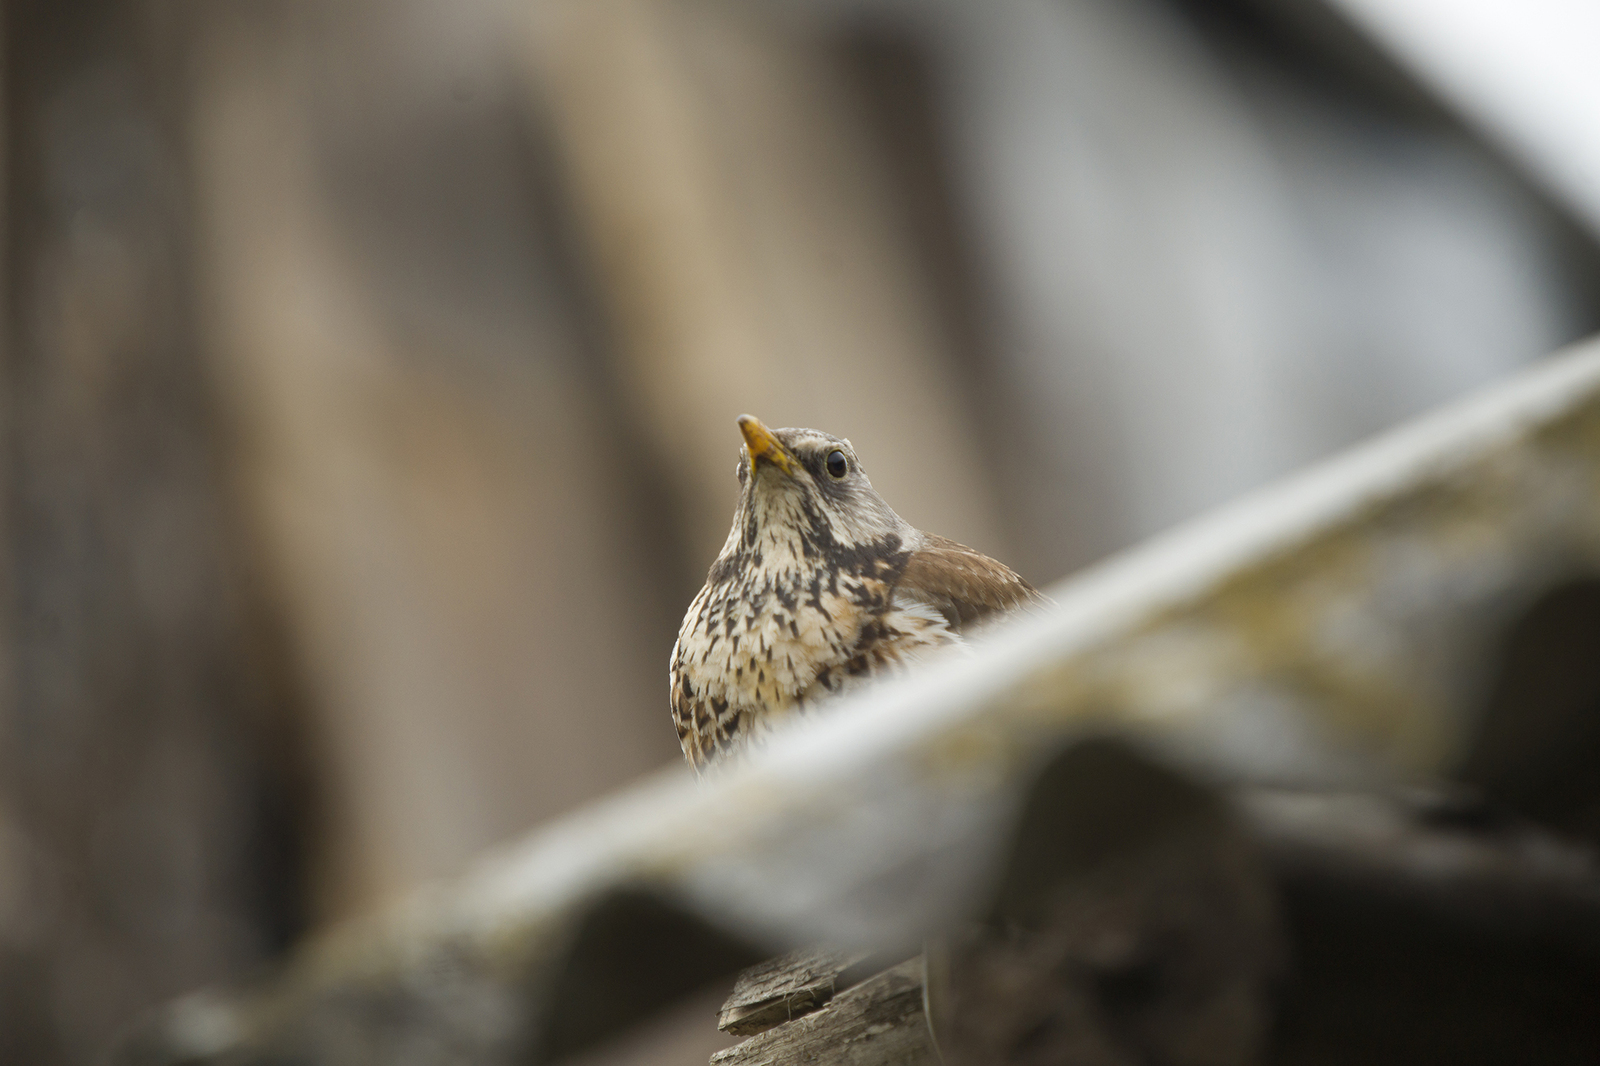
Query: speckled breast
(755, 646)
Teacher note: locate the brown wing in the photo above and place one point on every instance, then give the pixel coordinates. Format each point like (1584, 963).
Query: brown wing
(967, 586)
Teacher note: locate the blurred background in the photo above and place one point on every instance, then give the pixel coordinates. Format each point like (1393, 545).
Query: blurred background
(370, 369)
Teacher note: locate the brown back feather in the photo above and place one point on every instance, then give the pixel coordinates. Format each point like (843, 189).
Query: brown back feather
(966, 586)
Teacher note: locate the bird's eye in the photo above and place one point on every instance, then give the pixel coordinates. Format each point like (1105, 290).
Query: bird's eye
(838, 465)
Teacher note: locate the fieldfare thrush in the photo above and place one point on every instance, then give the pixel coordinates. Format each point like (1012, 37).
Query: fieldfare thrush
(819, 588)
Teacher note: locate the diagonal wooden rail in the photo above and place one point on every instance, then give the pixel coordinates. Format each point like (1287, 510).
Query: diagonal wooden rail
(1335, 630)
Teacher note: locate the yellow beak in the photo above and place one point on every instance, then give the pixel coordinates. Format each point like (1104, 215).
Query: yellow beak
(761, 444)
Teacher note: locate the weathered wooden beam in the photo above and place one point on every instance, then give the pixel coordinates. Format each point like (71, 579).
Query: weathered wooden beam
(1332, 630)
(784, 988)
(1239, 931)
(877, 1023)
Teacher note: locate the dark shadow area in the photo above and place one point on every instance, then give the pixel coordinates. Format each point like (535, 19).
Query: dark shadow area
(1095, 801)
(1538, 749)
(1134, 923)
(633, 956)
(1380, 978)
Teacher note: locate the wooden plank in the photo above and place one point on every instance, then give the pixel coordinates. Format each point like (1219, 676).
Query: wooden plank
(784, 988)
(877, 1023)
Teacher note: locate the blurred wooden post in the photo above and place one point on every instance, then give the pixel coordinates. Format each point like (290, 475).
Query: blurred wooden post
(450, 509)
(146, 837)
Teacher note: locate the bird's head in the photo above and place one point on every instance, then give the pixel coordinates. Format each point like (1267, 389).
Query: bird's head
(804, 492)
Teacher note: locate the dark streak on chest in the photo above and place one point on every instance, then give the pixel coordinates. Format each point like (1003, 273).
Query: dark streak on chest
(882, 560)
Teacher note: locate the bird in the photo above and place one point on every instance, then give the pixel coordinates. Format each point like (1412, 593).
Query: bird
(820, 588)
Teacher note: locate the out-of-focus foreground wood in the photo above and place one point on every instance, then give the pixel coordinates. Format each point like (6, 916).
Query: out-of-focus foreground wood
(1283, 927)
(1124, 794)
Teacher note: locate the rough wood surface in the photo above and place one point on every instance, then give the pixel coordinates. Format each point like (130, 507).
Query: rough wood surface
(784, 988)
(1139, 926)
(877, 1023)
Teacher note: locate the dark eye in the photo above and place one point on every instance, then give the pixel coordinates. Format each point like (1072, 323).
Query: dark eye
(838, 465)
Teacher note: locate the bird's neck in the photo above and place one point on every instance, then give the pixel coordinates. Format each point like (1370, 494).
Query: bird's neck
(787, 539)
